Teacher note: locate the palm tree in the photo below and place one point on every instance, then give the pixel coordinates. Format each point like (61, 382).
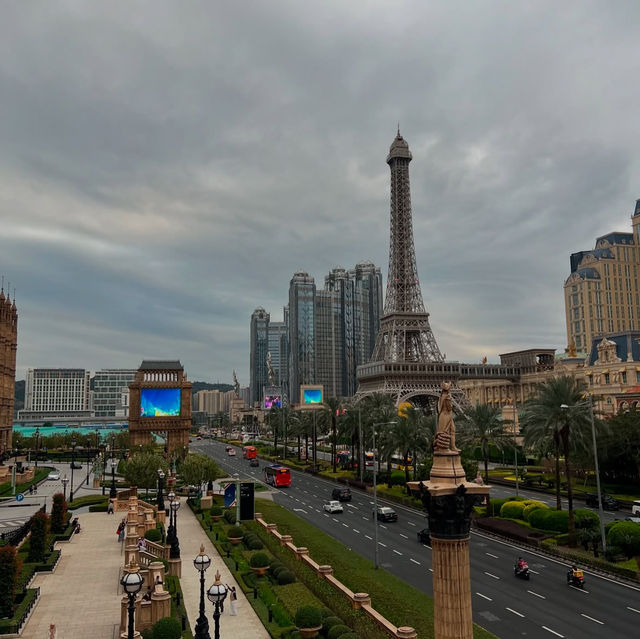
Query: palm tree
(482, 426)
(559, 412)
(332, 407)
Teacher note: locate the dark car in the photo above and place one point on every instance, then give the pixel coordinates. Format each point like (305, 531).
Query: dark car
(254, 462)
(341, 494)
(424, 536)
(76, 465)
(608, 502)
(386, 514)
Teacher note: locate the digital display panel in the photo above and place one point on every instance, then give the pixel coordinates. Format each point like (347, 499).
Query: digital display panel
(159, 402)
(312, 396)
(272, 401)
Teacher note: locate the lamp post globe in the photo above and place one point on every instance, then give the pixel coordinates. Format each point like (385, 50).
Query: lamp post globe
(201, 563)
(73, 463)
(65, 481)
(160, 498)
(131, 583)
(216, 594)
(174, 553)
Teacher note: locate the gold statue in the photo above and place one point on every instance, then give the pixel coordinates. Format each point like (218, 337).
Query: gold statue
(446, 435)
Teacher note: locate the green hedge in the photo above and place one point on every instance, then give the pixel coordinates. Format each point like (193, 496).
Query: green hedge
(512, 510)
(11, 624)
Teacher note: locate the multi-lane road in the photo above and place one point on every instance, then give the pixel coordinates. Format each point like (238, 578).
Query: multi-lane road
(543, 607)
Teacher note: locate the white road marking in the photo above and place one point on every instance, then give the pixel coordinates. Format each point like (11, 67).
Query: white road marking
(365, 518)
(411, 523)
(414, 561)
(535, 594)
(334, 519)
(592, 619)
(367, 536)
(515, 612)
(490, 575)
(355, 531)
(490, 555)
(484, 596)
(633, 609)
(397, 552)
(345, 525)
(300, 510)
(582, 590)
(430, 569)
(557, 634)
(381, 544)
(401, 535)
(533, 572)
(381, 526)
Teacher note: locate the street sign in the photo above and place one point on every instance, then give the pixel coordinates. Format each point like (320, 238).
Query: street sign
(229, 495)
(19, 497)
(246, 501)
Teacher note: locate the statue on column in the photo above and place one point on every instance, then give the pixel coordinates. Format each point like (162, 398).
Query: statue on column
(236, 384)
(271, 373)
(446, 434)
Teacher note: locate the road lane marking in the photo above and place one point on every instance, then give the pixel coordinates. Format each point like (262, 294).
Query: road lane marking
(367, 536)
(397, 552)
(356, 531)
(592, 619)
(381, 544)
(490, 555)
(515, 612)
(334, 519)
(381, 526)
(557, 634)
(411, 523)
(345, 525)
(633, 609)
(582, 590)
(414, 561)
(484, 596)
(365, 518)
(535, 594)
(401, 535)
(430, 569)
(490, 575)
(533, 572)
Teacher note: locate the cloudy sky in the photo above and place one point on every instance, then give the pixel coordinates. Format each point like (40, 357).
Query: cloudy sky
(167, 166)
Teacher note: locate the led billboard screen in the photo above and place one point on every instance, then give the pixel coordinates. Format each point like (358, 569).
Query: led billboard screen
(159, 402)
(311, 395)
(272, 401)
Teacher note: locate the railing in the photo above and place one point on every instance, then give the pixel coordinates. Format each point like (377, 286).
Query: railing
(155, 551)
(14, 627)
(14, 537)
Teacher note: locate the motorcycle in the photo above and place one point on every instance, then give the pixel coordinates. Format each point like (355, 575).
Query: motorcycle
(575, 578)
(521, 570)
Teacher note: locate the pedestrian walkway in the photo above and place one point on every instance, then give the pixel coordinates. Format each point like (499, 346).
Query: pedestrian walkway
(244, 625)
(81, 597)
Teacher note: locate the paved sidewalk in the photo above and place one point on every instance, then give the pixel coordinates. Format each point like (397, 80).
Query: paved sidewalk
(81, 596)
(246, 624)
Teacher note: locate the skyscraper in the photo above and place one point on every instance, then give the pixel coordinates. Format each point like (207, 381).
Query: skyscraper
(601, 294)
(302, 343)
(259, 336)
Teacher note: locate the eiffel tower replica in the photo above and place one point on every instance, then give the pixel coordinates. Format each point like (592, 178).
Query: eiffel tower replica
(406, 362)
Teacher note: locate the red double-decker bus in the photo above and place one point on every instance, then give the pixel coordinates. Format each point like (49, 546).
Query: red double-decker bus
(249, 452)
(278, 476)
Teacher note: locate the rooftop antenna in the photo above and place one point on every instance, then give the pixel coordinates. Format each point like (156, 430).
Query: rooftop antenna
(398, 128)
(2, 284)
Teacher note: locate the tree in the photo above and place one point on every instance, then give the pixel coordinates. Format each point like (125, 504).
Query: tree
(559, 412)
(38, 540)
(482, 426)
(141, 469)
(197, 469)
(331, 409)
(58, 512)
(9, 568)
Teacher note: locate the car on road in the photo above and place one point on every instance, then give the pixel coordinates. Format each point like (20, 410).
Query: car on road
(231, 452)
(76, 465)
(341, 494)
(254, 462)
(54, 475)
(635, 508)
(635, 520)
(608, 502)
(333, 506)
(385, 513)
(424, 536)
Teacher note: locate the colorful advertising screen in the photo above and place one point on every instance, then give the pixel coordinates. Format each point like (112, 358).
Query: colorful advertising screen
(311, 395)
(159, 402)
(272, 401)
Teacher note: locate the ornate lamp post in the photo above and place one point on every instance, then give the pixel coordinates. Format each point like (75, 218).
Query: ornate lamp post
(65, 481)
(202, 562)
(216, 595)
(131, 582)
(171, 532)
(37, 436)
(160, 498)
(73, 460)
(113, 493)
(174, 553)
(88, 459)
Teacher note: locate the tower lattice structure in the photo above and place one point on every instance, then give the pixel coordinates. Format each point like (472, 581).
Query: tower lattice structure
(406, 362)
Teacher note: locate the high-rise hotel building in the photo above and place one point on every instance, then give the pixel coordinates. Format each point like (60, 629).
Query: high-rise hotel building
(111, 392)
(8, 348)
(601, 294)
(56, 393)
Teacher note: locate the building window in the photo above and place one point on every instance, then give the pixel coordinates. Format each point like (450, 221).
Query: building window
(590, 380)
(607, 378)
(623, 377)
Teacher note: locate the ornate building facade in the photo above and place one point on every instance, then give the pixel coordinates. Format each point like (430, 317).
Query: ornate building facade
(8, 349)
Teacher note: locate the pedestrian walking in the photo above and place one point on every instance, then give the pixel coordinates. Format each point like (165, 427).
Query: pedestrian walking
(110, 507)
(233, 601)
(120, 530)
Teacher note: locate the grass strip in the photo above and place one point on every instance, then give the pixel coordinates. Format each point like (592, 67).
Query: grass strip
(399, 602)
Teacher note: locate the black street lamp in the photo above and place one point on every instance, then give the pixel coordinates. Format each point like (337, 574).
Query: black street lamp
(73, 463)
(113, 493)
(216, 595)
(103, 455)
(37, 436)
(65, 481)
(174, 553)
(160, 497)
(88, 459)
(171, 531)
(202, 562)
(131, 582)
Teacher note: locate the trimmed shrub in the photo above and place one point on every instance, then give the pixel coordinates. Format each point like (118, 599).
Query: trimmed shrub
(154, 534)
(275, 563)
(397, 478)
(215, 511)
(147, 633)
(538, 517)
(512, 510)
(530, 507)
(38, 540)
(626, 536)
(330, 622)
(58, 510)
(493, 509)
(586, 518)
(285, 577)
(9, 566)
(350, 635)
(337, 631)
(557, 521)
(259, 560)
(308, 617)
(167, 628)
(254, 543)
(230, 515)
(235, 531)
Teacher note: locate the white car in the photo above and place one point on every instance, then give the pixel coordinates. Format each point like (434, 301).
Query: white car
(231, 452)
(54, 474)
(333, 506)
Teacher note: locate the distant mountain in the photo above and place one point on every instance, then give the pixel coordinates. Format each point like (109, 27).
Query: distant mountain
(18, 395)
(198, 386)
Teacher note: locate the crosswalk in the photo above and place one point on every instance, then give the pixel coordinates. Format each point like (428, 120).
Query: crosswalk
(12, 523)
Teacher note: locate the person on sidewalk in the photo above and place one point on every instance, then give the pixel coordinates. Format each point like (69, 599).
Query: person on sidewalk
(233, 601)
(110, 507)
